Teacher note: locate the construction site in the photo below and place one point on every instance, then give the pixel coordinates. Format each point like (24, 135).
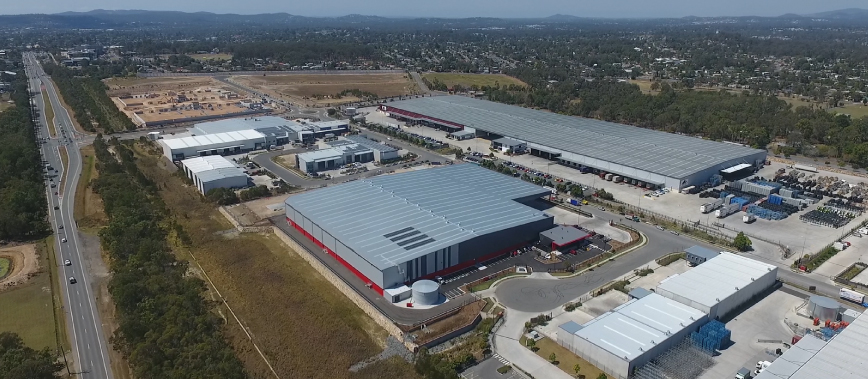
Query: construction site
(161, 102)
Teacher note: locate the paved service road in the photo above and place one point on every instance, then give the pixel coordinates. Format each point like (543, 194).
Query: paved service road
(542, 295)
(89, 345)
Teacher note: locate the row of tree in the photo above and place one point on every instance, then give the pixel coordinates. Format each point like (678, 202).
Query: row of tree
(17, 361)
(166, 328)
(23, 209)
(87, 97)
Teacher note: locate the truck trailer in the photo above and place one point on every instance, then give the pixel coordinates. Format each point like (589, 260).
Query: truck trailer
(851, 295)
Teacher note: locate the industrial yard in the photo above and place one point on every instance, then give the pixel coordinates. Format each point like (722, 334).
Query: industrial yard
(323, 90)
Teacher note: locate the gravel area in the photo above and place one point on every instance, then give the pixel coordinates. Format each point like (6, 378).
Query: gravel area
(393, 348)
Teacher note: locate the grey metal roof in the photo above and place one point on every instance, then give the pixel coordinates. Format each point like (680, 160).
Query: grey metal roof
(327, 154)
(370, 144)
(570, 327)
(220, 173)
(462, 133)
(564, 234)
(268, 124)
(507, 141)
(716, 279)
(667, 154)
(702, 252)
(637, 326)
(639, 292)
(446, 205)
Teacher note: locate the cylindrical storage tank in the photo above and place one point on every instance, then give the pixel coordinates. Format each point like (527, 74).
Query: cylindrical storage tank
(823, 308)
(426, 292)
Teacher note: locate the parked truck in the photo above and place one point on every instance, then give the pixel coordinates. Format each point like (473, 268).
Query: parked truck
(726, 210)
(616, 179)
(708, 207)
(748, 218)
(856, 297)
(609, 177)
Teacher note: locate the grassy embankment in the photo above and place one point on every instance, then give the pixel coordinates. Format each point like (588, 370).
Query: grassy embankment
(452, 78)
(303, 325)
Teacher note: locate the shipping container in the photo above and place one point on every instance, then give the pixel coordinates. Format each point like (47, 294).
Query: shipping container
(574, 202)
(688, 189)
(805, 168)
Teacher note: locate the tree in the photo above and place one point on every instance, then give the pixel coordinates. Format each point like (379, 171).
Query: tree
(18, 361)
(531, 343)
(576, 191)
(742, 242)
(331, 111)
(553, 357)
(602, 376)
(577, 368)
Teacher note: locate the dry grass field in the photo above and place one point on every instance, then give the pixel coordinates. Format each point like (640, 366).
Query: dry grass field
(118, 86)
(854, 110)
(299, 88)
(305, 326)
(89, 213)
(452, 78)
(211, 57)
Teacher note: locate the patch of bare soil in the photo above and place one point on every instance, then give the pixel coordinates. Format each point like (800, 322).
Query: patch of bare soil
(24, 265)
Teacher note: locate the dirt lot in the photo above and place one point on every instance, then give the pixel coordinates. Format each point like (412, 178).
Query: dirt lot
(303, 324)
(119, 86)
(181, 103)
(305, 88)
(24, 265)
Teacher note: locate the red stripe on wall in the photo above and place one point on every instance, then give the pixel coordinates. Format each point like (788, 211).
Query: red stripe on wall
(462, 265)
(568, 243)
(336, 257)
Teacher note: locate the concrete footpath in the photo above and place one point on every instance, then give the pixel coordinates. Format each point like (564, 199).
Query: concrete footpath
(507, 345)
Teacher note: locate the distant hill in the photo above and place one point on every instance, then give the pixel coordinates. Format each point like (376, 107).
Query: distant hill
(843, 14)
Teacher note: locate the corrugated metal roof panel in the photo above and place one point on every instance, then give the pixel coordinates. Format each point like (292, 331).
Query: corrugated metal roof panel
(449, 204)
(670, 155)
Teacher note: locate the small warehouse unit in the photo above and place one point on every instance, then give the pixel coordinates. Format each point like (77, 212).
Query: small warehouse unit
(632, 334)
(509, 144)
(463, 135)
(343, 152)
(212, 172)
(697, 255)
(396, 229)
(381, 152)
(228, 143)
(720, 284)
(562, 238)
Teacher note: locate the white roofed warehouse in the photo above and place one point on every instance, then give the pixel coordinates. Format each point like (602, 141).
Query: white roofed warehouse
(655, 158)
(721, 284)
(228, 143)
(212, 172)
(395, 229)
(632, 334)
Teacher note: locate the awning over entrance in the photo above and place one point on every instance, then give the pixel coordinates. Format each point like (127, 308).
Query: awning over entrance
(735, 168)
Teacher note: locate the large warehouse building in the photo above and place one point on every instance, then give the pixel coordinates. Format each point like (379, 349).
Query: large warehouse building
(632, 334)
(228, 143)
(720, 284)
(653, 157)
(842, 357)
(212, 172)
(278, 131)
(395, 229)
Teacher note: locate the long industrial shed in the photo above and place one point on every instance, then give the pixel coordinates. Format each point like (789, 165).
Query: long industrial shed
(662, 159)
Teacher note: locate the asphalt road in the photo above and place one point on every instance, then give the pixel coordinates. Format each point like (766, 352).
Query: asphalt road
(89, 345)
(541, 295)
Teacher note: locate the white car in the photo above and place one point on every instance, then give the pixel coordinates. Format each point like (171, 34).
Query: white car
(63, 240)
(67, 262)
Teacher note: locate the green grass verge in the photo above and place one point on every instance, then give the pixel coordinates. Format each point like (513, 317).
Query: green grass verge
(29, 309)
(452, 78)
(49, 117)
(488, 304)
(5, 265)
(855, 111)
(487, 285)
(565, 359)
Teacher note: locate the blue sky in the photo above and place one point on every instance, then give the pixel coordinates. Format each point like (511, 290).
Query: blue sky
(456, 8)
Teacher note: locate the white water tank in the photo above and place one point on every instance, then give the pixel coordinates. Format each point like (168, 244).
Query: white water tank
(426, 292)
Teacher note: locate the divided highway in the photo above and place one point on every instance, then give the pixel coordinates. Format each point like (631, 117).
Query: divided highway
(89, 345)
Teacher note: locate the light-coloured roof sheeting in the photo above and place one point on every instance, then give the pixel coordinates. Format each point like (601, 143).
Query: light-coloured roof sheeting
(238, 124)
(735, 168)
(210, 162)
(371, 144)
(637, 326)
(449, 204)
(667, 154)
(843, 357)
(718, 278)
(220, 173)
(213, 139)
(316, 155)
